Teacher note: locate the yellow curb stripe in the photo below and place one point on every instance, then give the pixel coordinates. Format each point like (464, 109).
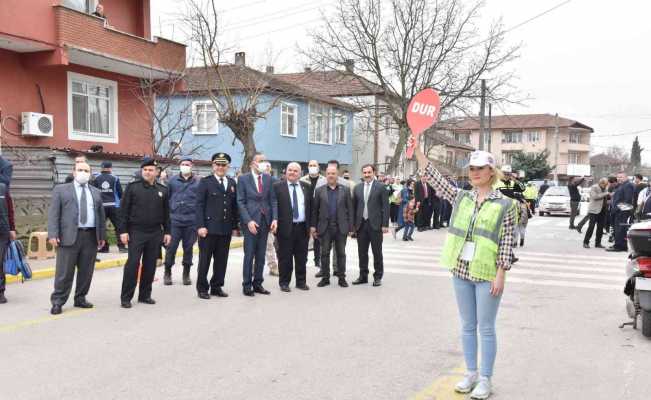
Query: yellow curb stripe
(38, 321)
(443, 387)
(106, 264)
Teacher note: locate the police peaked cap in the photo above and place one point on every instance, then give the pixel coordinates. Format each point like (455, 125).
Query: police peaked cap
(148, 162)
(221, 158)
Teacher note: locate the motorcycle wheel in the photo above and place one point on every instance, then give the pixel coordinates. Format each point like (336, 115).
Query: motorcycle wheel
(646, 323)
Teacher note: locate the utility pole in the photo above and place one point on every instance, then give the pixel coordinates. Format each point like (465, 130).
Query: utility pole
(556, 147)
(490, 132)
(482, 107)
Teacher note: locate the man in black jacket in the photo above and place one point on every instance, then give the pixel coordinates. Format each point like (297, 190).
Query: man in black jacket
(294, 210)
(371, 205)
(217, 219)
(575, 198)
(111, 189)
(623, 196)
(423, 193)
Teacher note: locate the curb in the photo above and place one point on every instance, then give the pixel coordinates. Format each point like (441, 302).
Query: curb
(114, 263)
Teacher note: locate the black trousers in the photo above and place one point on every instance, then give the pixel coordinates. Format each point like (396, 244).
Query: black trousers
(424, 215)
(393, 212)
(368, 236)
(215, 248)
(595, 219)
(4, 241)
(574, 211)
(316, 247)
(112, 215)
(436, 215)
(328, 238)
(143, 246)
(292, 254)
(621, 221)
(80, 256)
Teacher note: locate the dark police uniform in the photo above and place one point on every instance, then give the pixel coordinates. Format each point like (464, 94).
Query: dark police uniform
(216, 211)
(111, 189)
(145, 216)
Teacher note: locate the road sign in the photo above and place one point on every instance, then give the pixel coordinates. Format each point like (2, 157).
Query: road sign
(422, 113)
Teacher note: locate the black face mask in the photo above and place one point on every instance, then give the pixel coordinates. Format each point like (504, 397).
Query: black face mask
(346, 178)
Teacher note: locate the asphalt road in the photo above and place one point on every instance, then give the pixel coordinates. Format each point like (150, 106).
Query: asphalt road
(557, 329)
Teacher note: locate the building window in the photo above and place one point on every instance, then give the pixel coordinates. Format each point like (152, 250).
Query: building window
(204, 118)
(92, 109)
(533, 137)
(573, 158)
(449, 158)
(319, 129)
(512, 137)
(340, 129)
(575, 137)
(85, 6)
(462, 137)
(288, 118)
(507, 157)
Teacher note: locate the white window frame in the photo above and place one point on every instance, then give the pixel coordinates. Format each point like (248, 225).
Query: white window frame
(113, 109)
(340, 120)
(282, 119)
(512, 135)
(195, 128)
(327, 112)
(533, 136)
(575, 135)
(577, 157)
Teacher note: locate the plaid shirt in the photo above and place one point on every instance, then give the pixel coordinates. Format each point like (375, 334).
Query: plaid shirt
(505, 246)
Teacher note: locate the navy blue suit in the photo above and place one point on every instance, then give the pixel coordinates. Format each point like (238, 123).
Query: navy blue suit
(261, 207)
(624, 194)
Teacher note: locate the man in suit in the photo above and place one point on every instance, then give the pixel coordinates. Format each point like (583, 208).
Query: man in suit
(76, 227)
(217, 221)
(371, 204)
(423, 194)
(597, 212)
(294, 208)
(624, 195)
(332, 221)
(258, 210)
(316, 180)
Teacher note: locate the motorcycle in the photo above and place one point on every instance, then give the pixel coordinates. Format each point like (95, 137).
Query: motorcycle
(638, 271)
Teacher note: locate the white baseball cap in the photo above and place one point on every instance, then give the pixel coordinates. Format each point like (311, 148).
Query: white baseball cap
(480, 158)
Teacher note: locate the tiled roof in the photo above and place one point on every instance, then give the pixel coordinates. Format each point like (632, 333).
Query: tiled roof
(333, 83)
(242, 78)
(439, 138)
(513, 122)
(604, 159)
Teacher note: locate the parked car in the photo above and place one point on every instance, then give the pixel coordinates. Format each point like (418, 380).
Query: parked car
(556, 200)
(585, 193)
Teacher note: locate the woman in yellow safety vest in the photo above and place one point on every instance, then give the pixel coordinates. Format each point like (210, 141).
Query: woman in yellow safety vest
(477, 250)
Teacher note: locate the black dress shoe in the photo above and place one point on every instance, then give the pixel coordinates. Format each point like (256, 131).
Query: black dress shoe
(167, 279)
(572, 227)
(323, 282)
(302, 287)
(586, 246)
(319, 274)
(514, 260)
(56, 310)
(598, 246)
(377, 282)
(203, 295)
(261, 290)
(360, 281)
(613, 248)
(147, 301)
(186, 280)
(248, 292)
(126, 304)
(218, 292)
(285, 288)
(3, 299)
(342, 282)
(83, 304)
(578, 229)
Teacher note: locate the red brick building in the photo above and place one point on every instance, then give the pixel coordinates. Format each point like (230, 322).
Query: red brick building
(58, 59)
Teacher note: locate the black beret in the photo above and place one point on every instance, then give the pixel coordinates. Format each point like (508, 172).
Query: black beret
(221, 158)
(148, 162)
(107, 164)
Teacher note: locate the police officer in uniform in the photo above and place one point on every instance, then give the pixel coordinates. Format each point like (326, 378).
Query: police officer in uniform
(111, 188)
(217, 219)
(144, 224)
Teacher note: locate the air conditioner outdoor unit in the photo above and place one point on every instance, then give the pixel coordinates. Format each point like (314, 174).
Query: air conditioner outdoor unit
(35, 124)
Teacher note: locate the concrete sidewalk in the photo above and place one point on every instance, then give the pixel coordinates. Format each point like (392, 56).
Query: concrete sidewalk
(42, 269)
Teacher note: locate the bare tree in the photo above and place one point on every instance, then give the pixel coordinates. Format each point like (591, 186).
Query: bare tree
(409, 45)
(241, 95)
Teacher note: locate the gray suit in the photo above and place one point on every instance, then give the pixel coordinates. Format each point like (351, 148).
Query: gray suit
(596, 199)
(77, 247)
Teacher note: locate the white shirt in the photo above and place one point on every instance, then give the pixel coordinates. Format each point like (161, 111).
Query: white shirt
(300, 198)
(90, 209)
(224, 181)
(255, 180)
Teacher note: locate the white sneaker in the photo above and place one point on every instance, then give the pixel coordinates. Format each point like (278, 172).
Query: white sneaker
(482, 390)
(468, 383)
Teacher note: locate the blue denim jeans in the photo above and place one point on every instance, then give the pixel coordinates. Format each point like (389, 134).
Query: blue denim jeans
(409, 230)
(477, 307)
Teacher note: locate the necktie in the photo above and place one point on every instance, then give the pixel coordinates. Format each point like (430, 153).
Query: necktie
(221, 182)
(259, 183)
(83, 207)
(294, 203)
(367, 187)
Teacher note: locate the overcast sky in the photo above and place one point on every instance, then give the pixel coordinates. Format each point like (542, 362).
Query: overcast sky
(588, 60)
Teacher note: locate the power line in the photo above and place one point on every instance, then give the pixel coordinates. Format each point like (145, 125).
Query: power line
(606, 135)
(278, 30)
(281, 14)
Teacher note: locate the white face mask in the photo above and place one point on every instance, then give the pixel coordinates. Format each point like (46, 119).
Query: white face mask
(185, 169)
(82, 178)
(263, 167)
(313, 170)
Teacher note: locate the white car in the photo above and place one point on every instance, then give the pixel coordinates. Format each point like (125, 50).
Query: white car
(556, 200)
